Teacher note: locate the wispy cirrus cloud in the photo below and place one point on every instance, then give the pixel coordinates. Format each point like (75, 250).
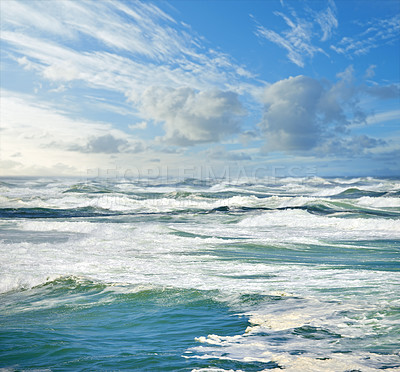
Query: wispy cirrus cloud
(143, 30)
(140, 43)
(382, 117)
(376, 33)
(125, 48)
(298, 40)
(327, 21)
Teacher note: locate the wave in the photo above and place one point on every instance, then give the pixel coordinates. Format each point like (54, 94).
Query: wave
(11, 213)
(74, 290)
(87, 189)
(345, 181)
(136, 195)
(322, 209)
(340, 192)
(365, 207)
(355, 193)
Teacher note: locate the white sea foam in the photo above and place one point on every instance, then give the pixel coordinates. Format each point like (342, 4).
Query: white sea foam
(382, 202)
(152, 254)
(251, 349)
(329, 191)
(259, 343)
(17, 281)
(322, 225)
(60, 226)
(347, 181)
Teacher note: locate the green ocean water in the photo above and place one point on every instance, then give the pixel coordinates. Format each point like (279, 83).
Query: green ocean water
(169, 275)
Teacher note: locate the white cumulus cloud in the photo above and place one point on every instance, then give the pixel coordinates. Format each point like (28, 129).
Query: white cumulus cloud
(303, 114)
(191, 117)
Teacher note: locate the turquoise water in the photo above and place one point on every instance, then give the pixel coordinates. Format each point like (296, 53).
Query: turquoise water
(162, 275)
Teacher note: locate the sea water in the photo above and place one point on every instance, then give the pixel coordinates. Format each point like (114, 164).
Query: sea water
(212, 275)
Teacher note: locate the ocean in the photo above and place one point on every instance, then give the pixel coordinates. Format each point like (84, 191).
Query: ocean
(296, 274)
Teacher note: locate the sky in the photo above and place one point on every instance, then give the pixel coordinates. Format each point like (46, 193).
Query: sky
(237, 88)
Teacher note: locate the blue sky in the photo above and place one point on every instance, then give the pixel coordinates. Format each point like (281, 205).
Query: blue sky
(291, 88)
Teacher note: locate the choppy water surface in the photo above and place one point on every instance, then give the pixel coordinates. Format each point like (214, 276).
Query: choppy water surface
(293, 274)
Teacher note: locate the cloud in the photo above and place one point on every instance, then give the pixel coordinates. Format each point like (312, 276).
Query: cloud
(11, 168)
(347, 147)
(61, 71)
(141, 125)
(170, 150)
(383, 117)
(297, 40)
(46, 135)
(191, 117)
(108, 144)
(391, 157)
(127, 47)
(144, 30)
(289, 121)
(291, 117)
(377, 32)
(303, 114)
(370, 72)
(327, 21)
(24, 15)
(383, 92)
(8, 164)
(25, 63)
(247, 136)
(220, 153)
